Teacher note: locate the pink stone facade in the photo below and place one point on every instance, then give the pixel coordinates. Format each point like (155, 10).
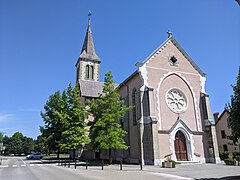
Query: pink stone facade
(152, 135)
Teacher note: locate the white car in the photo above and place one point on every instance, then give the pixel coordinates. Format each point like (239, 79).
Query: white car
(35, 156)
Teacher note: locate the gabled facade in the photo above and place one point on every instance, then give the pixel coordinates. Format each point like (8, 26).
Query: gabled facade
(172, 114)
(223, 133)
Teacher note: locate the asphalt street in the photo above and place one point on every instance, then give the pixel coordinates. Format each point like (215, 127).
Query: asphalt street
(18, 168)
(21, 169)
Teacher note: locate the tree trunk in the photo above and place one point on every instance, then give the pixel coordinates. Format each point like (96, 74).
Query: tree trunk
(110, 156)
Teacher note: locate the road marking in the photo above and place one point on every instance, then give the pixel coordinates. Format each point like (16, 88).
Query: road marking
(172, 176)
(23, 160)
(22, 165)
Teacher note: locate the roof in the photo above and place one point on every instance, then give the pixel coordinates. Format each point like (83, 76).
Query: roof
(174, 41)
(220, 117)
(129, 77)
(88, 50)
(90, 88)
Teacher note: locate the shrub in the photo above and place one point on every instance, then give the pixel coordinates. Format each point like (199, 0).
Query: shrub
(230, 162)
(224, 155)
(173, 163)
(236, 155)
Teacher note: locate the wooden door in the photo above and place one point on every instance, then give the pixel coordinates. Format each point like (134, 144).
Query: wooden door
(180, 147)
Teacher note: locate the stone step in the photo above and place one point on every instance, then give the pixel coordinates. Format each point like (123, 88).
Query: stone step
(188, 162)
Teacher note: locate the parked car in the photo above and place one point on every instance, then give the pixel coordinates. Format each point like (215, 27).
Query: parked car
(35, 156)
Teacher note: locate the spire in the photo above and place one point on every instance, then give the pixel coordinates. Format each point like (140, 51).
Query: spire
(88, 50)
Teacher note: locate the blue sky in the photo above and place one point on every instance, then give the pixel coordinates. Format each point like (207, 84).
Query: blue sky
(40, 42)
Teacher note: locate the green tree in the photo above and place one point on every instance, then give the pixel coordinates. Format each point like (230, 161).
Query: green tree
(16, 146)
(107, 110)
(7, 143)
(53, 123)
(64, 118)
(1, 142)
(40, 144)
(1, 137)
(234, 110)
(27, 145)
(74, 135)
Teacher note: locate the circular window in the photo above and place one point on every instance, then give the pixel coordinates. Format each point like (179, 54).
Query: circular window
(176, 100)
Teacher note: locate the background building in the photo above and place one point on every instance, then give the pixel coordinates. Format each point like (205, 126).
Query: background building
(223, 133)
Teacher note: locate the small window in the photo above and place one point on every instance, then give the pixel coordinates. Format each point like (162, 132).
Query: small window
(225, 147)
(223, 134)
(173, 60)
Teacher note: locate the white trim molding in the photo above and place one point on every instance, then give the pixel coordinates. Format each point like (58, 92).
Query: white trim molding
(180, 126)
(191, 90)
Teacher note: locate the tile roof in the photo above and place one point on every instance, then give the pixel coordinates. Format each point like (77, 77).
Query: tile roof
(90, 88)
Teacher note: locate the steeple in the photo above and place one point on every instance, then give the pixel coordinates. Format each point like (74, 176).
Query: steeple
(88, 50)
(88, 64)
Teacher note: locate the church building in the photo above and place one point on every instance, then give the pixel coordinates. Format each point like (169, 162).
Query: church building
(171, 118)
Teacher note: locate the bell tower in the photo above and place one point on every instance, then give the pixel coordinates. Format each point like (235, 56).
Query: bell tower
(88, 64)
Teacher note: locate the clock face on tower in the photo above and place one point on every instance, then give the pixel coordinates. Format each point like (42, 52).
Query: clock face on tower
(176, 100)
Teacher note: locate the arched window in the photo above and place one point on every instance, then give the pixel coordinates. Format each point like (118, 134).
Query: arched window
(134, 106)
(89, 72)
(136, 103)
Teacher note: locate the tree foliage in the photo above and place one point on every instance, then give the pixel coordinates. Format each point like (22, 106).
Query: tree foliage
(74, 134)
(234, 110)
(18, 144)
(53, 124)
(107, 110)
(40, 144)
(64, 118)
(1, 137)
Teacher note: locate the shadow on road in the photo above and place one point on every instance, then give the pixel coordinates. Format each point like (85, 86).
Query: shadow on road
(223, 178)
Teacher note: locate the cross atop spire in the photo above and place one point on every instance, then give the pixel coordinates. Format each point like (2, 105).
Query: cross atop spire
(89, 14)
(88, 51)
(169, 34)
(89, 17)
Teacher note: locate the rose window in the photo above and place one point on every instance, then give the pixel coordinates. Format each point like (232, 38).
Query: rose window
(176, 100)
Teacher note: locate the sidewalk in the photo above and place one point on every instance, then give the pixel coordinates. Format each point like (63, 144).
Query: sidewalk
(193, 171)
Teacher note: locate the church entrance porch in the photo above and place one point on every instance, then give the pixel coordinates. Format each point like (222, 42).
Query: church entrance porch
(182, 143)
(180, 147)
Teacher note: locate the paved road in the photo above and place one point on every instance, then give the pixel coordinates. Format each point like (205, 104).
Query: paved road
(22, 169)
(17, 168)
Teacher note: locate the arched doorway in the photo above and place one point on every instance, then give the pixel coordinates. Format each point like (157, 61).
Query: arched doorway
(180, 147)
